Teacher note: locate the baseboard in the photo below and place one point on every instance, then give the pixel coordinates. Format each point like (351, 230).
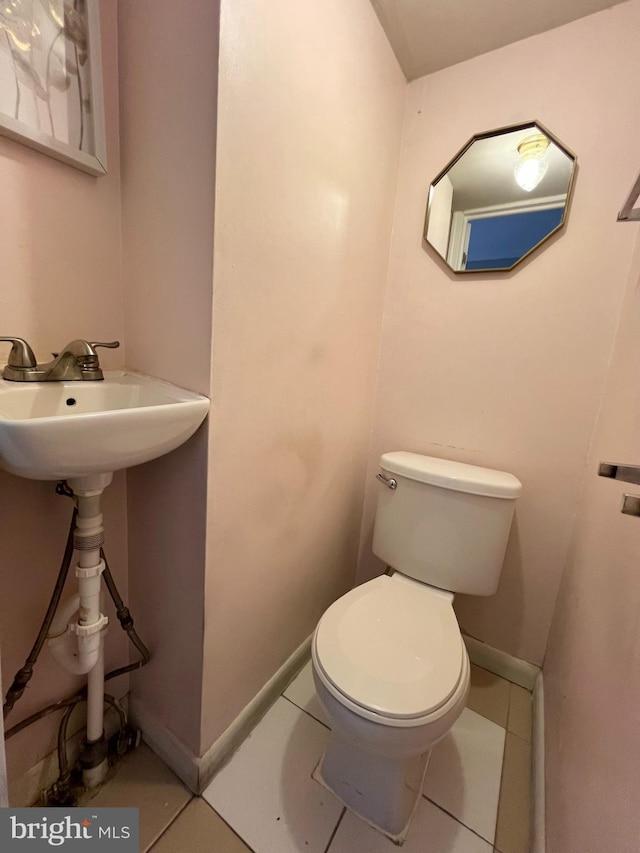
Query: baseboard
(538, 838)
(196, 772)
(530, 677)
(165, 744)
(222, 749)
(501, 663)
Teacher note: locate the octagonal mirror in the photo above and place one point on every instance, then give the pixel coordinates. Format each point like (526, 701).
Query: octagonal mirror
(502, 195)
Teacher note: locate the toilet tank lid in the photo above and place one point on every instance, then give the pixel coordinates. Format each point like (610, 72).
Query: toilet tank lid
(457, 476)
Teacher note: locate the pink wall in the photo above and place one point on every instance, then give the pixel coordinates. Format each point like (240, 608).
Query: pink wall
(507, 370)
(309, 121)
(592, 667)
(60, 250)
(168, 83)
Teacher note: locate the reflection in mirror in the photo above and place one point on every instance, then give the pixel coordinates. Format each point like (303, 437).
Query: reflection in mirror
(499, 198)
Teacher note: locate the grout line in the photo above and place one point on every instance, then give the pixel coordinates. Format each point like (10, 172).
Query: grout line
(226, 822)
(501, 677)
(171, 822)
(519, 737)
(333, 834)
(457, 820)
(304, 711)
(504, 761)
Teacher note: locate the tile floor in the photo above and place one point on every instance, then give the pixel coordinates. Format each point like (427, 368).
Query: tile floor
(475, 799)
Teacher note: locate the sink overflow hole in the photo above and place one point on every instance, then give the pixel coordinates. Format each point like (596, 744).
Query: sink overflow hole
(71, 401)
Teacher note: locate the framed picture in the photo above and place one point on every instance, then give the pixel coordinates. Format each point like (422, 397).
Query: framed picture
(51, 95)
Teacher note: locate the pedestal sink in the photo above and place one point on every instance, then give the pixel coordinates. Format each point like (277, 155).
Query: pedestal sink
(62, 430)
(82, 432)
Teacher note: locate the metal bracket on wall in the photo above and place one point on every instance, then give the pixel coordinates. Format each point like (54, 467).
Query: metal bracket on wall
(626, 474)
(630, 505)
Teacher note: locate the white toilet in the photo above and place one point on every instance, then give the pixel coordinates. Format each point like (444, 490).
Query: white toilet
(389, 663)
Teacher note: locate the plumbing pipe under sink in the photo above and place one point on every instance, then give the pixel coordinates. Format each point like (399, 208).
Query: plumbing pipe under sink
(78, 645)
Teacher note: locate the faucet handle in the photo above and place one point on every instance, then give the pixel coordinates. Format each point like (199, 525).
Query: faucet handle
(110, 345)
(21, 354)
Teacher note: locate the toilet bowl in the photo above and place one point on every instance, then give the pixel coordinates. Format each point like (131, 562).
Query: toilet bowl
(392, 674)
(389, 664)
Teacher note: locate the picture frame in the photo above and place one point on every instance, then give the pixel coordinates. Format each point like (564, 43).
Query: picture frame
(51, 94)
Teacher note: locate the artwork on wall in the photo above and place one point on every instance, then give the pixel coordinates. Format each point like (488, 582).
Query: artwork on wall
(51, 80)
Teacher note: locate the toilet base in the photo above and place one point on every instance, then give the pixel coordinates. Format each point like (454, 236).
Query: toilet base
(382, 791)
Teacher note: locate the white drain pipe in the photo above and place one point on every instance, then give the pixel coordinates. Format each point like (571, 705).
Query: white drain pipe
(78, 645)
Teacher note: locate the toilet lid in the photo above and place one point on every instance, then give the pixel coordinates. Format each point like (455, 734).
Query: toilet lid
(392, 646)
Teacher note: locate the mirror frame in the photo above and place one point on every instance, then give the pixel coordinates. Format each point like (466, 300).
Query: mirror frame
(487, 135)
(629, 213)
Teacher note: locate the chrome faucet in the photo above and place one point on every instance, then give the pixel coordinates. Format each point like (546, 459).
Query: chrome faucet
(78, 360)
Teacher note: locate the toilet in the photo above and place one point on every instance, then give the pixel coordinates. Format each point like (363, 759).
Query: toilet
(389, 664)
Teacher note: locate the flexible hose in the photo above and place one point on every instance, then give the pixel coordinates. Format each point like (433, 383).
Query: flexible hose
(126, 621)
(50, 709)
(124, 617)
(23, 676)
(63, 760)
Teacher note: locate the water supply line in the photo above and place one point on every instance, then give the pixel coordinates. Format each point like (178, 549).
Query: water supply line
(23, 676)
(75, 632)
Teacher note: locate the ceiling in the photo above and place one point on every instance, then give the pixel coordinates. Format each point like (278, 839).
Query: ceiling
(427, 35)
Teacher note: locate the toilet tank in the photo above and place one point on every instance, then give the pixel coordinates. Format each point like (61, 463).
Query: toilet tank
(446, 523)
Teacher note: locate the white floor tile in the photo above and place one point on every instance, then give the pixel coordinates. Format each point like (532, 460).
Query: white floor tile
(431, 831)
(464, 772)
(302, 692)
(266, 793)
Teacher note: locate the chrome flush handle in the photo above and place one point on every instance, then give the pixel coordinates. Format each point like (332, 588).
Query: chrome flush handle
(389, 482)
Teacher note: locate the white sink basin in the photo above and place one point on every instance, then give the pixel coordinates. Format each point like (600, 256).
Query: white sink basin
(60, 430)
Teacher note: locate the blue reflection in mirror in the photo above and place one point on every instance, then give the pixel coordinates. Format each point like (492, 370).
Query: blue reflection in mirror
(498, 242)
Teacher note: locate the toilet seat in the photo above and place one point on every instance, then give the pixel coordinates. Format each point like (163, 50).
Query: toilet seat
(391, 650)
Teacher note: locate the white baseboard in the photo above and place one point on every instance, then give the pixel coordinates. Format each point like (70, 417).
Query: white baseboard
(196, 772)
(222, 749)
(538, 838)
(164, 743)
(501, 663)
(530, 677)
